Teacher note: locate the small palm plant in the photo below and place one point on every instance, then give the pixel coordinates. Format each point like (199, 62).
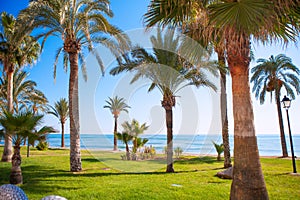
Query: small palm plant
(134, 129)
(220, 149)
(178, 151)
(141, 142)
(18, 127)
(125, 138)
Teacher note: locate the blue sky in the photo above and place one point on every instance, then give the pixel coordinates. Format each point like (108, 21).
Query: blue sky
(146, 106)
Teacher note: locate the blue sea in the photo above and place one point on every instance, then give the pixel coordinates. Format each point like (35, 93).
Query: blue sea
(268, 145)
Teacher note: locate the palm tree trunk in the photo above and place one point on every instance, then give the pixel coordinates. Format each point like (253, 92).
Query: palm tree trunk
(219, 157)
(135, 145)
(169, 122)
(62, 134)
(127, 151)
(16, 172)
(248, 180)
(115, 134)
(75, 156)
(282, 135)
(224, 116)
(7, 151)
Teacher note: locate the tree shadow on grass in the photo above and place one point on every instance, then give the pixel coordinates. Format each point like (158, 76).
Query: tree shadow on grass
(91, 160)
(40, 179)
(197, 160)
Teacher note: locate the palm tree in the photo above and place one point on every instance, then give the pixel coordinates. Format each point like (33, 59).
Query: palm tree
(271, 75)
(125, 138)
(168, 72)
(220, 149)
(194, 31)
(116, 106)
(25, 95)
(134, 129)
(61, 111)
(17, 49)
(80, 24)
(236, 22)
(224, 114)
(193, 25)
(18, 127)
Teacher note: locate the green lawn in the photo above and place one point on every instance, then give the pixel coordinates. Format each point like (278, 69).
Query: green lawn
(105, 176)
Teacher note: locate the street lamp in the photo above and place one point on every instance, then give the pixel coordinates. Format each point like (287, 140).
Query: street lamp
(287, 104)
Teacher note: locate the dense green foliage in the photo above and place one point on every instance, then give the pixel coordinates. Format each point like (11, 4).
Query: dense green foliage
(47, 172)
(42, 146)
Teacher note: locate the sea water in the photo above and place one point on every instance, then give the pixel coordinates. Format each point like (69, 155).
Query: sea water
(268, 145)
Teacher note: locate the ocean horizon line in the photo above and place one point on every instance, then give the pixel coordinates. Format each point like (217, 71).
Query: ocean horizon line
(230, 134)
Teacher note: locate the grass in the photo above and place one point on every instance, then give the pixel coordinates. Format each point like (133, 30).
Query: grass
(106, 176)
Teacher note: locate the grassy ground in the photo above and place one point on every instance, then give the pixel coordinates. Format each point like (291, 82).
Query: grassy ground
(47, 173)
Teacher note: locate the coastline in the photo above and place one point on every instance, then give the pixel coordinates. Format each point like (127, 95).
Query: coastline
(194, 145)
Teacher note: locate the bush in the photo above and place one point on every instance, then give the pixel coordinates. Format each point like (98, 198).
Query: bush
(178, 151)
(42, 146)
(149, 152)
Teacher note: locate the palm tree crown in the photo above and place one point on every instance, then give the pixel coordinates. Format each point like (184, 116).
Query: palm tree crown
(79, 23)
(25, 94)
(116, 105)
(60, 110)
(17, 48)
(274, 73)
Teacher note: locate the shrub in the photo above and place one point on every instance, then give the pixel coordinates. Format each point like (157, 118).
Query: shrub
(42, 146)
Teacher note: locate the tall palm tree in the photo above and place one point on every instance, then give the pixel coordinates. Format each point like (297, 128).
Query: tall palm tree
(194, 24)
(79, 24)
(18, 127)
(134, 129)
(17, 49)
(61, 111)
(236, 22)
(194, 30)
(271, 75)
(168, 72)
(25, 95)
(116, 106)
(223, 106)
